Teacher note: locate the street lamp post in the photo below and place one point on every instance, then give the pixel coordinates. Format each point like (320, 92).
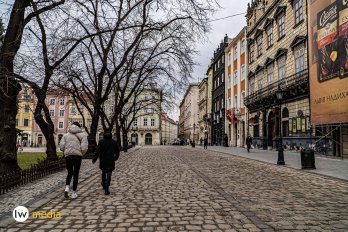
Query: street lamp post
(279, 95)
(194, 133)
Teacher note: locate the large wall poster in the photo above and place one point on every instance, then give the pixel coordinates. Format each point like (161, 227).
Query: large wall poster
(328, 61)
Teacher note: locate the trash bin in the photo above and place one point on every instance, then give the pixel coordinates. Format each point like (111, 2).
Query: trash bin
(307, 159)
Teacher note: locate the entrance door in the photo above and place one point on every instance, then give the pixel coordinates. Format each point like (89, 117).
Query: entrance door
(148, 139)
(271, 129)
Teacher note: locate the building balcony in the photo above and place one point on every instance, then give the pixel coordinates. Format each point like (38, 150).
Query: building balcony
(293, 87)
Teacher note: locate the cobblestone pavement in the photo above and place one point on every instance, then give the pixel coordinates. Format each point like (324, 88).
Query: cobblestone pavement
(185, 189)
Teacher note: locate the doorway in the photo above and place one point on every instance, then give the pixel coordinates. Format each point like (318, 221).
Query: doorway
(148, 139)
(271, 132)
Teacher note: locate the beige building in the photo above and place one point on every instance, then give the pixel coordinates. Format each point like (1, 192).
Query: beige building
(277, 56)
(209, 101)
(236, 83)
(169, 129)
(202, 117)
(182, 120)
(191, 113)
(146, 127)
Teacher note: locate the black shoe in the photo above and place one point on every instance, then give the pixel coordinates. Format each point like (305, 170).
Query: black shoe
(107, 191)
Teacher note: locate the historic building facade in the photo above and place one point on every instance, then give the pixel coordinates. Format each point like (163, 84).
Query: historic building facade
(235, 72)
(182, 120)
(191, 112)
(218, 94)
(277, 56)
(24, 118)
(202, 117)
(146, 127)
(169, 129)
(209, 102)
(58, 106)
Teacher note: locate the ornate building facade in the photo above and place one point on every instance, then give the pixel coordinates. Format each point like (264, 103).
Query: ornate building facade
(218, 94)
(236, 83)
(277, 57)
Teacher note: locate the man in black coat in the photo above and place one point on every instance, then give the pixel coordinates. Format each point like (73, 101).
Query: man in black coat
(248, 142)
(107, 152)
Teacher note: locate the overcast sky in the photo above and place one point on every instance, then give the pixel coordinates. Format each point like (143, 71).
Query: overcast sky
(229, 26)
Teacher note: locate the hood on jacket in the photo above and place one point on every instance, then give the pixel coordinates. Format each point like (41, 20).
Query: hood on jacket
(74, 129)
(107, 134)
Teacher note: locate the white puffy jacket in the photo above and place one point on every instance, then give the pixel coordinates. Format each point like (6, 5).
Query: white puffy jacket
(74, 142)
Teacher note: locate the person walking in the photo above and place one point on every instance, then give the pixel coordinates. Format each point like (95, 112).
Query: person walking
(107, 152)
(248, 142)
(74, 145)
(205, 143)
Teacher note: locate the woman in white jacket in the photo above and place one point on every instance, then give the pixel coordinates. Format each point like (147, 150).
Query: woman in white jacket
(74, 145)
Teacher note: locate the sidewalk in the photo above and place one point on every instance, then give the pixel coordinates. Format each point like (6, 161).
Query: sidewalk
(325, 166)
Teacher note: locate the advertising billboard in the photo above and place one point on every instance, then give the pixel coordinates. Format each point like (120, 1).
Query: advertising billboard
(328, 60)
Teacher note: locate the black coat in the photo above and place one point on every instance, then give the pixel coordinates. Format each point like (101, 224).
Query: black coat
(249, 141)
(107, 152)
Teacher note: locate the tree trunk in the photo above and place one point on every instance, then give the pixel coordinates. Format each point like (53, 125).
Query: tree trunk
(9, 88)
(125, 140)
(92, 137)
(47, 128)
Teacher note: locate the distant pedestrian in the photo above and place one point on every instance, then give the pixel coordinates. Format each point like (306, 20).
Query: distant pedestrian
(74, 145)
(248, 142)
(205, 143)
(107, 152)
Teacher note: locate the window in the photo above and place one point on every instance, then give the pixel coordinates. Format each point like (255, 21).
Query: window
(235, 102)
(135, 122)
(61, 113)
(270, 74)
(251, 53)
(52, 101)
(281, 68)
(242, 100)
(281, 26)
(299, 60)
(243, 72)
(235, 53)
(52, 113)
(145, 121)
(229, 58)
(26, 108)
(73, 110)
(61, 101)
(298, 11)
(270, 35)
(26, 122)
(229, 81)
(252, 85)
(61, 125)
(259, 80)
(259, 45)
(243, 47)
(235, 79)
(152, 122)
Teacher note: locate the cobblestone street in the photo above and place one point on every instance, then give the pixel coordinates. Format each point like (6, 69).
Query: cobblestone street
(184, 189)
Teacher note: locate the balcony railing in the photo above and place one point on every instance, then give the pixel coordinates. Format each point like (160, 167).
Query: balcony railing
(267, 94)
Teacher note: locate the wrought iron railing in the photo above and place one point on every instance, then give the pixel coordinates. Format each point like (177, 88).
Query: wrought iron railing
(290, 82)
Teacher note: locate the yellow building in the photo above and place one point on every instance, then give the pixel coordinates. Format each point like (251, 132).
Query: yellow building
(24, 118)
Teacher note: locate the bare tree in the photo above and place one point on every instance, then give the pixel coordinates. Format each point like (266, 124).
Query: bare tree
(148, 40)
(21, 14)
